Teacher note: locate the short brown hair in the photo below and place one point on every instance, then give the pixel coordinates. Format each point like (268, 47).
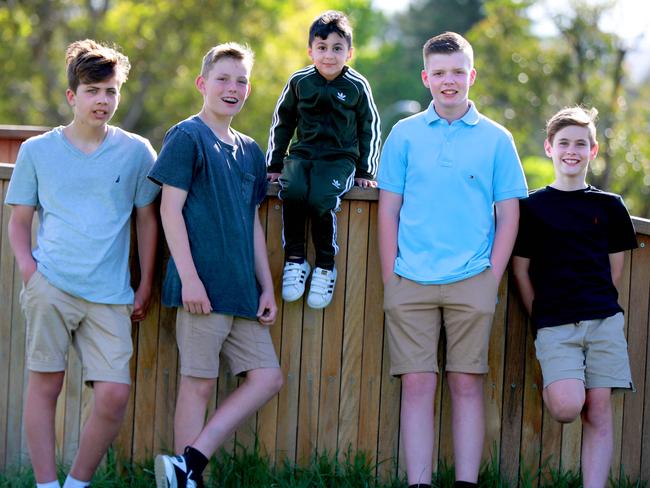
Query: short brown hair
(573, 116)
(88, 61)
(447, 43)
(330, 22)
(231, 50)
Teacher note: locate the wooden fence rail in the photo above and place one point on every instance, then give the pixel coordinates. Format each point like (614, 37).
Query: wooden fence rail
(338, 393)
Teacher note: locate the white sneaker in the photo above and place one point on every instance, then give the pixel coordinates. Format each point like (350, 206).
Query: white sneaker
(321, 288)
(294, 278)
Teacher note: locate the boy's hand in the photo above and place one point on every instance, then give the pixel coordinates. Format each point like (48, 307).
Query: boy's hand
(267, 310)
(28, 272)
(365, 183)
(141, 303)
(273, 176)
(195, 298)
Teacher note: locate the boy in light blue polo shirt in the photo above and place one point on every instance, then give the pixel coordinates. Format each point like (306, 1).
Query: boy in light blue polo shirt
(442, 174)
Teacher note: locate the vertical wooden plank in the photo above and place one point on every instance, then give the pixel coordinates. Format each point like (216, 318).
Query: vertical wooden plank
(513, 385)
(353, 325)
(531, 435)
(551, 443)
(618, 397)
(372, 346)
(166, 375)
(634, 422)
(389, 408)
(494, 377)
(226, 384)
(6, 322)
(639, 315)
(16, 377)
(571, 444)
(331, 363)
(443, 450)
(268, 415)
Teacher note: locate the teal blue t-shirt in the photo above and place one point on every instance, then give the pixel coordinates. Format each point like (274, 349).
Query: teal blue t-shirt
(225, 184)
(449, 176)
(84, 204)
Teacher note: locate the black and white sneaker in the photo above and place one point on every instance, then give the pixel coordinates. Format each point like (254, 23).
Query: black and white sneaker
(173, 472)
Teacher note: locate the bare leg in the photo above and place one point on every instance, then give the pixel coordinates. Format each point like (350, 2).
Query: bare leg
(564, 399)
(468, 423)
(40, 409)
(109, 405)
(258, 388)
(598, 437)
(416, 425)
(193, 397)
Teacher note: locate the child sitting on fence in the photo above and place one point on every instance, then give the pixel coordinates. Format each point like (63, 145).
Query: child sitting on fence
(568, 256)
(213, 180)
(330, 108)
(84, 180)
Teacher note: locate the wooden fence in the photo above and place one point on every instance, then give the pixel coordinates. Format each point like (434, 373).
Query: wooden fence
(338, 393)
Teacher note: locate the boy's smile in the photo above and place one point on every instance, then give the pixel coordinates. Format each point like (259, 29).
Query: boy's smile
(330, 55)
(95, 103)
(571, 152)
(448, 78)
(225, 88)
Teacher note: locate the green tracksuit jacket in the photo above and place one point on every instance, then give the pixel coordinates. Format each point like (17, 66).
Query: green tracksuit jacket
(331, 120)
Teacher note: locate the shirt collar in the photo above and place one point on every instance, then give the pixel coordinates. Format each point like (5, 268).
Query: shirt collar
(471, 117)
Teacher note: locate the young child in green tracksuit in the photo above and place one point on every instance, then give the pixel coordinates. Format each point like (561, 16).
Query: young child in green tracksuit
(329, 107)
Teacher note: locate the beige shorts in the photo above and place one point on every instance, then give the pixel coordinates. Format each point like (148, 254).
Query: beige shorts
(593, 351)
(415, 313)
(100, 333)
(245, 344)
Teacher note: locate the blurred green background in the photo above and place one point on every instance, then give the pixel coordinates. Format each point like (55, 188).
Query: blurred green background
(523, 76)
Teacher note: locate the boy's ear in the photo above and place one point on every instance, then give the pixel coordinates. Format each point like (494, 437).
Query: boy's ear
(350, 52)
(200, 84)
(593, 152)
(472, 76)
(547, 148)
(70, 96)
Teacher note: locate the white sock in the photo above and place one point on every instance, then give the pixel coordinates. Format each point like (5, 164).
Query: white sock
(71, 482)
(51, 484)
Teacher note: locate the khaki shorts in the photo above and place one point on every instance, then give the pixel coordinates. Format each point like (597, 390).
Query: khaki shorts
(593, 351)
(415, 312)
(245, 344)
(100, 333)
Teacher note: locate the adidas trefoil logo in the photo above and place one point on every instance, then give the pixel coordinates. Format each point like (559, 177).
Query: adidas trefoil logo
(336, 184)
(341, 96)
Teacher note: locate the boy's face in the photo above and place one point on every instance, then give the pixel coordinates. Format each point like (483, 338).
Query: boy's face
(330, 55)
(225, 88)
(95, 103)
(571, 151)
(448, 78)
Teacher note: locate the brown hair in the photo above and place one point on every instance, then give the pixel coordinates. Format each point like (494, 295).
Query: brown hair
(231, 50)
(573, 116)
(447, 43)
(88, 61)
(330, 22)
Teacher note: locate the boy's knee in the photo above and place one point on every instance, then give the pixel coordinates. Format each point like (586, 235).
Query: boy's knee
(293, 191)
(270, 379)
(202, 388)
(320, 204)
(111, 399)
(564, 410)
(46, 385)
(415, 384)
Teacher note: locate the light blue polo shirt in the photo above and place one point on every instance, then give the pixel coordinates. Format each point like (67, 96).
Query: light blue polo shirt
(84, 204)
(449, 176)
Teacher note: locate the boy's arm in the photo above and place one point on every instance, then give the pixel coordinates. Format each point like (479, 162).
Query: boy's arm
(507, 223)
(267, 309)
(616, 262)
(369, 135)
(520, 266)
(388, 221)
(20, 239)
(283, 125)
(146, 227)
(195, 299)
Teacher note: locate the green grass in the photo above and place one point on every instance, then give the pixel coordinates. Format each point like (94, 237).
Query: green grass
(251, 469)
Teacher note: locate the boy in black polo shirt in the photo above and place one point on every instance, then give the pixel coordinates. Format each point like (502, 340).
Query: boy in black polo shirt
(569, 253)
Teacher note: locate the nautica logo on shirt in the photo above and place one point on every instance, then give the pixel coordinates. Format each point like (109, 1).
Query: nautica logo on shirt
(341, 96)
(118, 179)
